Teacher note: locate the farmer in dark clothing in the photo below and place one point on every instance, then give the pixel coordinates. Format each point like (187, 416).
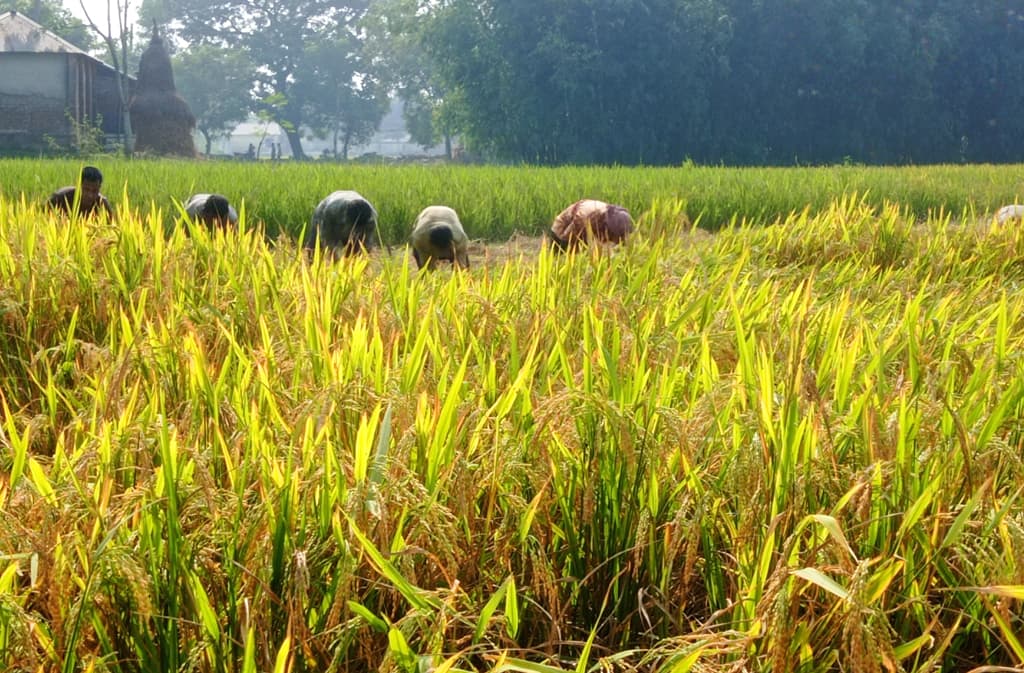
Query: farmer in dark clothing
(90, 200)
(213, 210)
(343, 223)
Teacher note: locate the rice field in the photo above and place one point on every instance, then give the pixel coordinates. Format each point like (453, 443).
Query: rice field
(496, 202)
(790, 443)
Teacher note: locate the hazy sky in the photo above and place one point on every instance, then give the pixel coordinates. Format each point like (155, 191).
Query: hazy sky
(98, 10)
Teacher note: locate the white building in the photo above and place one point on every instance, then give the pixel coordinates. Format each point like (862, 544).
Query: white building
(267, 140)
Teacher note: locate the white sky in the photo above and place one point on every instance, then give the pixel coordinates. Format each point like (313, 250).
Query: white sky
(98, 11)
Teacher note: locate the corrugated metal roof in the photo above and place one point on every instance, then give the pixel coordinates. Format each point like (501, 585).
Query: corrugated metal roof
(20, 33)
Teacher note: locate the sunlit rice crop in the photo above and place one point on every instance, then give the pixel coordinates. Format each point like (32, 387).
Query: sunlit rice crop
(793, 446)
(495, 202)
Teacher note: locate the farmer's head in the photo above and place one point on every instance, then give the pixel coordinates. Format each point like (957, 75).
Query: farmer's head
(92, 180)
(217, 211)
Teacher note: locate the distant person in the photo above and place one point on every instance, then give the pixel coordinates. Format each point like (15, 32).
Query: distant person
(213, 210)
(344, 222)
(90, 200)
(438, 236)
(590, 220)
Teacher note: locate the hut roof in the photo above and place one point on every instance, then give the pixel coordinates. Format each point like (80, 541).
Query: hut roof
(18, 33)
(155, 72)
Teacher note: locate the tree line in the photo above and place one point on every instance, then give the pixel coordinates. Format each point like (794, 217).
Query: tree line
(659, 82)
(733, 81)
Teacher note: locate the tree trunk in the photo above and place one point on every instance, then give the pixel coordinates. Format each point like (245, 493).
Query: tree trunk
(208, 139)
(126, 117)
(295, 142)
(119, 59)
(122, 80)
(448, 146)
(123, 94)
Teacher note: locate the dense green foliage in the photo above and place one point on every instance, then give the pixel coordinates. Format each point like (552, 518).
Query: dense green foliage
(310, 73)
(216, 82)
(655, 82)
(430, 110)
(770, 448)
(735, 81)
(496, 202)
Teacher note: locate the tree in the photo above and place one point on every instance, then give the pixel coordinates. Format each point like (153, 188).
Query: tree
(795, 71)
(354, 116)
(278, 38)
(119, 46)
(52, 15)
(980, 74)
(345, 96)
(396, 40)
(581, 81)
(217, 85)
(646, 81)
(873, 80)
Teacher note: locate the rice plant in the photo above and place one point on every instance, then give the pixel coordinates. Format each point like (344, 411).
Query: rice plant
(785, 445)
(495, 202)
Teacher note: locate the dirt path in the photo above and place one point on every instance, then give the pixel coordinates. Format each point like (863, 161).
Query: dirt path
(493, 253)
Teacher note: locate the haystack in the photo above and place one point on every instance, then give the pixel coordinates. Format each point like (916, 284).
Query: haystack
(161, 118)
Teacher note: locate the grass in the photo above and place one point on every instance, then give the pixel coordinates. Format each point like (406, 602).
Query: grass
(798, 442)
(496, 202)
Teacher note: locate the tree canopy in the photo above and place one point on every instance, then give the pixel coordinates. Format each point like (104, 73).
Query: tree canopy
(637, 81)
(396, 43)
(737, 81)
(216, 82)
(282, 40)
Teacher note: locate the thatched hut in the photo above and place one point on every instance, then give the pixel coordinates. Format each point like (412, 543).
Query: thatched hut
(161, 118)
